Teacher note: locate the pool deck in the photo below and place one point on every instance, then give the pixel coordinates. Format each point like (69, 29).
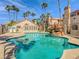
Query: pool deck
(11, 35)
(72, 39)
(1, 51)
(71, 53)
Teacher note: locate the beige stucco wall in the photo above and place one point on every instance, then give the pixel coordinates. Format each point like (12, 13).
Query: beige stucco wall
(53, 21)
(22, 26)
(73, 22)
(65, 21)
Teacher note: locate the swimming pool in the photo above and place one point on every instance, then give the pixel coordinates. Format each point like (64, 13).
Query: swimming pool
(40, 46)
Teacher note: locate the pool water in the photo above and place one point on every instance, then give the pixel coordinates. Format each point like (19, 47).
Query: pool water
(40, 46)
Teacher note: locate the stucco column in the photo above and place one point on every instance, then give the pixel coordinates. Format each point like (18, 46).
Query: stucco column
(69, 21)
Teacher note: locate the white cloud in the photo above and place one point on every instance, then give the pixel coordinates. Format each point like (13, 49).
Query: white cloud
(16, 3)
(21, 6)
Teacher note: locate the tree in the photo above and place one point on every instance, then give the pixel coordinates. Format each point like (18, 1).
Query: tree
(34, 21)
(44, 6)
(14, 8)
(17, 10)
(33, 14)
(59, 8)
(44, 18)
(11, 23)
(26, 14)
(47, 17)
(8, 9)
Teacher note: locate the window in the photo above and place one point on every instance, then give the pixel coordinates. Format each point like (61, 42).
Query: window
(75, 27)
(73, 15)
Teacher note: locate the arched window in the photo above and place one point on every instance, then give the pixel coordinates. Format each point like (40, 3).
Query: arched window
(74, 27)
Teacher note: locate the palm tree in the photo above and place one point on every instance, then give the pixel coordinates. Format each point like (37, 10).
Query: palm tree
(47, 17)
(33, 14)
(59, 8)
(8, 9)
(34, 21)
(44, 6)
(26, 14)
(14, 8)
(17, 10)
(42, 17)
(43, 20)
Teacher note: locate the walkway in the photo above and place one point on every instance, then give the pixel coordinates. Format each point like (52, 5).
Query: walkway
(11, 35)
(1, 51)
(70, 54)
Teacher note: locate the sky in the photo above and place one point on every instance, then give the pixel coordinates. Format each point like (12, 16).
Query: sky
(34, 6)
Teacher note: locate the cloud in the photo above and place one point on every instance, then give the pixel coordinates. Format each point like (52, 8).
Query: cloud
(2, 8)
(16, 3)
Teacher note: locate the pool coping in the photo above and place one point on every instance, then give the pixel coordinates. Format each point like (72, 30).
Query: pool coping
(70, 54)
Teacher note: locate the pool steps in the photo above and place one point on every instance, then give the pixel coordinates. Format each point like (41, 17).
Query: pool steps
(9, 49)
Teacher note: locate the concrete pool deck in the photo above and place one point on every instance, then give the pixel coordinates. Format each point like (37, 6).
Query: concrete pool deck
(70, 54)
(1, 51)
(11, 35)
(72, 39)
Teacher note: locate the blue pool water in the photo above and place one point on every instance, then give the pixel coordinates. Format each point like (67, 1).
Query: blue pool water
(40, 46)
